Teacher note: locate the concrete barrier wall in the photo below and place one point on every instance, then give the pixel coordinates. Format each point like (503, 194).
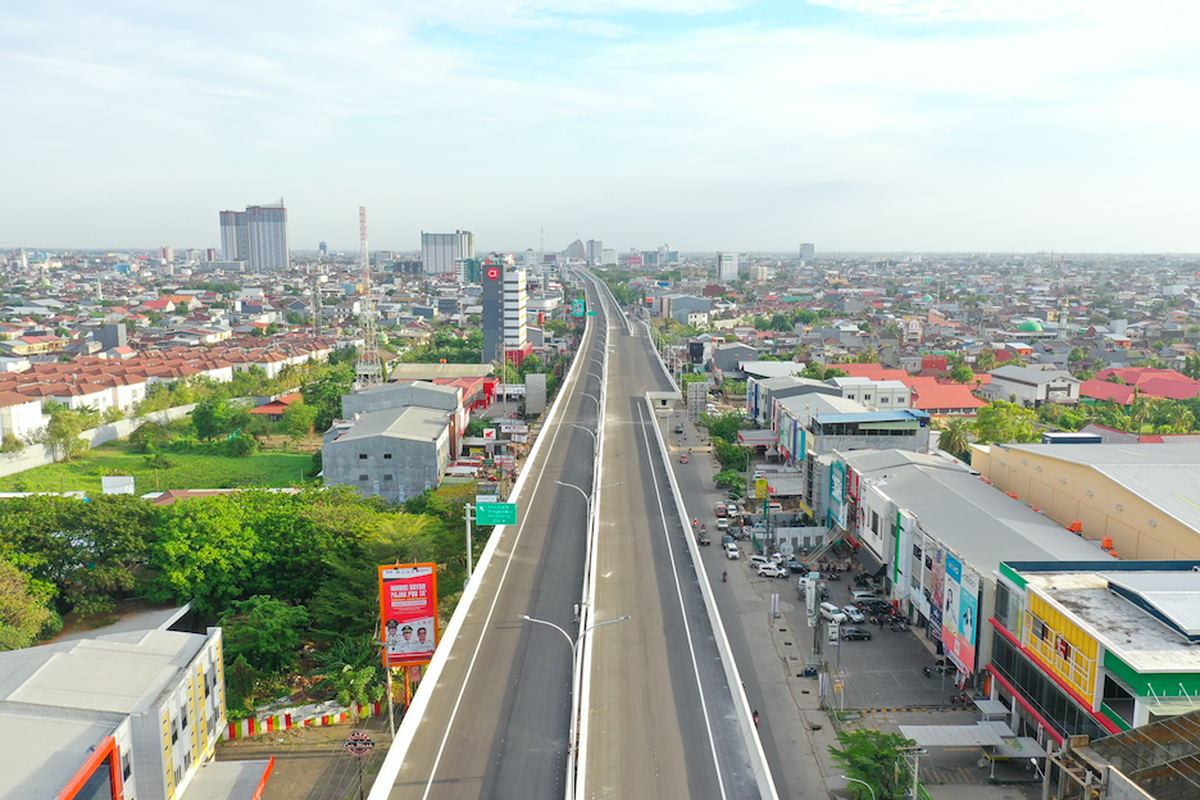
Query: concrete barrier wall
(38, 455)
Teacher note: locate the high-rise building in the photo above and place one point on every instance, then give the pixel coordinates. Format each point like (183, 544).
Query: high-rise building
(234, 242)
(727, 266)
(440, 252)
(505, 310)
(807, 250)
(258, 235)
(595, 252)
(324, 249)
(267, 235)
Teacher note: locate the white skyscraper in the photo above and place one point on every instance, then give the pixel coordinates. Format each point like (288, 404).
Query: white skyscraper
(516, 309)
(727, 267)
(440, 252)
(258, 235)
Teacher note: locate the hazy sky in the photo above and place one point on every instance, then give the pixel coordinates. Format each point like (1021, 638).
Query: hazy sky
(1069, 125)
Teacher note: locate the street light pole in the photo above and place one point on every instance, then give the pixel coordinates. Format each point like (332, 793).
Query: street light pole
(870, 788)
(572, 743)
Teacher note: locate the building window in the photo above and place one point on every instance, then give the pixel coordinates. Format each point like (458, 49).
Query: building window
(387, 477)
(362, 456)
(364, 477)
(387, 456)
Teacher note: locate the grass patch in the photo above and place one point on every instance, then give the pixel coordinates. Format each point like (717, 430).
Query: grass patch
(185, 471)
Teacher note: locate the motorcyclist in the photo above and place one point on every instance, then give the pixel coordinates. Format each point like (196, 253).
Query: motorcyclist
(724, 577)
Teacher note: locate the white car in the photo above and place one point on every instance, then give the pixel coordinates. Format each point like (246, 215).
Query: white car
(832, 613)
(723, 524)
(853, 613)
(731, 551)
(760, 561)
(771, 571)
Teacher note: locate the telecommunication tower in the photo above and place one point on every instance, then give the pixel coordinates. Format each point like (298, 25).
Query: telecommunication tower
(368, 368)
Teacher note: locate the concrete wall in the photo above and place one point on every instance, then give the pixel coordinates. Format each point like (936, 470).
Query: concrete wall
(37, 455)
(414, 465)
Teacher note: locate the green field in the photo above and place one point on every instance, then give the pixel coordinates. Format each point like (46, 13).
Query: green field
(270, 469)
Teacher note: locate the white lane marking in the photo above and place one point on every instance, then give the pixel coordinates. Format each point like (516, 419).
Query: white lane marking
(712, 744)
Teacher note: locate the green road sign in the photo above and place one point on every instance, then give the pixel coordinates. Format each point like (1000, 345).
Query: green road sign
(591, 313)
(496, 514)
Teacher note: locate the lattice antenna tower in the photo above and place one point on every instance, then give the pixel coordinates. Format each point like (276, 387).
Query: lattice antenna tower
(369, 371)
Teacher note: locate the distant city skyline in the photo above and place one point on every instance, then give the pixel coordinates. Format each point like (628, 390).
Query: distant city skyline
(860, 125)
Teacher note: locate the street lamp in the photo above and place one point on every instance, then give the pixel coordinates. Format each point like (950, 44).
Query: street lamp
(588, 431)
(574, 644)
(593, 397)
(870, 788)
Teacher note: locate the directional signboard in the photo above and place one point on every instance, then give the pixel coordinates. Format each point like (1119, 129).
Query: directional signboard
(496, 514)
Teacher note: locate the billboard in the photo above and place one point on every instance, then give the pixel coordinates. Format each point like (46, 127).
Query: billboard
(937, 599)
(837, 494)
(408, 613)
(960, 614)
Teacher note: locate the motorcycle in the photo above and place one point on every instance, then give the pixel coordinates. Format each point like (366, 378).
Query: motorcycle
(724, 577)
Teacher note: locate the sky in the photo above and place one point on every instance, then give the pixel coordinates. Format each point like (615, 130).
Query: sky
(858, 125)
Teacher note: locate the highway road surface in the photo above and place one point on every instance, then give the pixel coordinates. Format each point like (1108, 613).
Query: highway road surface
(659, 718)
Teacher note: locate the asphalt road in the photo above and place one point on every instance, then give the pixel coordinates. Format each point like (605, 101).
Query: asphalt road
(496, 724)
(660, 721)
(659, 716)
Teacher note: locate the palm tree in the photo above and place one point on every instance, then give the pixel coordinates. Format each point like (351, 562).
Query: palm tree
(954, 434)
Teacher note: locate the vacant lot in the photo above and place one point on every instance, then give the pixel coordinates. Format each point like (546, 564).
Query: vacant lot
(179, 471)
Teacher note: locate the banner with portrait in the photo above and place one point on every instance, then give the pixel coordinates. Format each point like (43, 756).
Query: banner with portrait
(408, 613)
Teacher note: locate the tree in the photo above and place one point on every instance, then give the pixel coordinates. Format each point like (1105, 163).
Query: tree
(1001, 421)
(724, 427)
(1191, 366)
(820, 372)
(25, 610)
(264, 631)
(215, 418)
(298, 419)
(962, 374)
(987, 360)
(325, 394)
(874, 758)
(954, 435)
(62, 434)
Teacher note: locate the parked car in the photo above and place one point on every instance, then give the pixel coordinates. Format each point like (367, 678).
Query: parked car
(731, 551)
(853, 614)
(722, 524)
(775, 508)
(795, 566)
(771, 571)
(852, 633)
(704, 538)
(865, 597)
(759, 560)
(721, 509)
(832, 613)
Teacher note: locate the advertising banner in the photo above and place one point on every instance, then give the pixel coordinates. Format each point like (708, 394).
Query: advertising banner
(938, 599)
(837, 494)
(959, 614)
(408, 613)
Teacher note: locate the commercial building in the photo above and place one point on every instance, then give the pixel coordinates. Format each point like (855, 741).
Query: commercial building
(1095, 647)
(504, 318)
(235, 239)
(1139, 499)
(936, 535)
(440, 252)
(727, 267)
(120, 715)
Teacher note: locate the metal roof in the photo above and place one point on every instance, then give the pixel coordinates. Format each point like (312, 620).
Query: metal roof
(1174, 595)
(422, 424)
(981, 734)
(901, 415)
(980, 523)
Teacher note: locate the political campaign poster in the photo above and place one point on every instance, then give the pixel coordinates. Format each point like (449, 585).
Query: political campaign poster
(408, 613)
